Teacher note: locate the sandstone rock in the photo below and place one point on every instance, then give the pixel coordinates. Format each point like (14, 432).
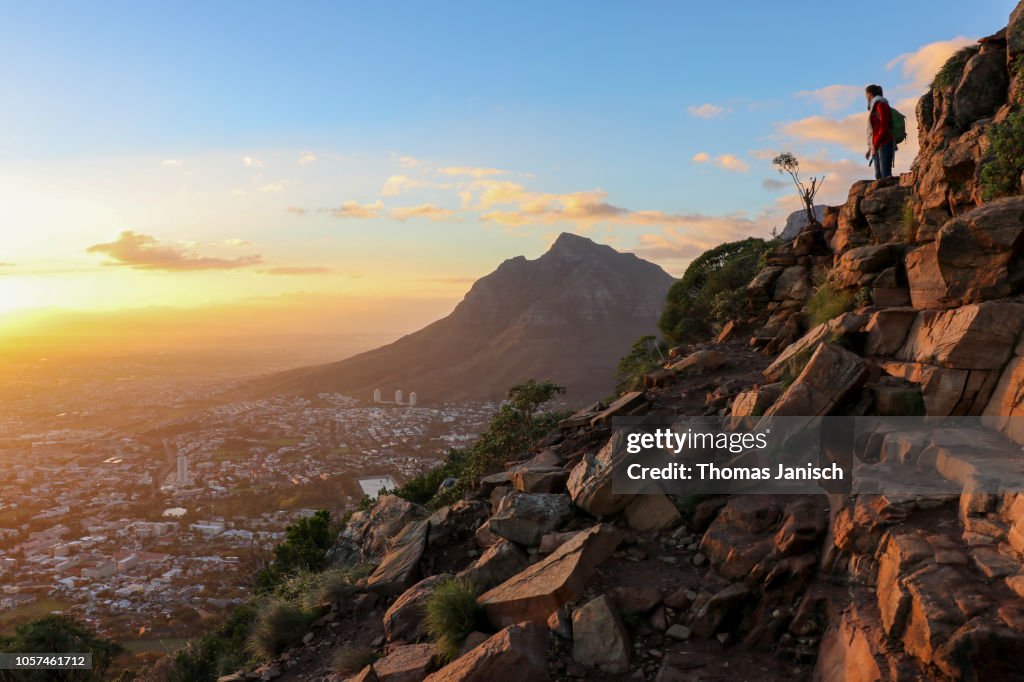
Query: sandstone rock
(590, 481)
(540, 589)
(859, 266)
(539, 479)
(364, 675)
(373, 529)
(982, 88)
(883, 210)
(403, 621)
(830, 376)
(599, 638)
(652, 512)
(793, 284)
(636, 598)
(498, 563)
(980, 650)
(761, 287)
(977, 336)
(700, 361)
(889, 288)
(852, 227)
(901, 553)
(627, 404)
(887, 330)
(754, 402)
(721, 612)
(932, 617)
(399, 568)
(973, 258)
(789, 359)
(517, 652)
(407, 663)
(524, 518)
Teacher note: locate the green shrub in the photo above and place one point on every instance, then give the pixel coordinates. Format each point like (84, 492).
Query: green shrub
(909, 223)
(349, 660)
(711, 291)
(59, 634)
(826, 303)
(646, 355)
(1004, 163)
(304, 549)
(953, 69)
(451, 614)
(221, 652)
(279, 623)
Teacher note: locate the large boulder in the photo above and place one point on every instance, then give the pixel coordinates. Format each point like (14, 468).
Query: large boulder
(590, 482)
(977, 336)
(858, 267)
(975, 257)
(599, 639)
(831, 374)
(540, 589)
(982, 88)
(538, 478)
(882, 207)
(373, 529)
(652, 511)
(498, 563)
(399, 568)
(403, 621)
(525, 518)
(407, 663)
(797, 352)
(517, 652)
(793, 284)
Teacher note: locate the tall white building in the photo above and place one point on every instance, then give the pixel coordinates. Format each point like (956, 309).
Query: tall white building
(182, 470)
(376, 395)
(398, 396)
(412, 399)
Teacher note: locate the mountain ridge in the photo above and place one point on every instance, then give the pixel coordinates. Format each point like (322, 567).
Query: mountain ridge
(567, 316)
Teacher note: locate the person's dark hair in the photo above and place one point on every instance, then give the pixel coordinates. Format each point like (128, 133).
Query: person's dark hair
(874, 90)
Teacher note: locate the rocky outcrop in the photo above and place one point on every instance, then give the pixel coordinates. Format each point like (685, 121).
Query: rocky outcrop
(515, 652)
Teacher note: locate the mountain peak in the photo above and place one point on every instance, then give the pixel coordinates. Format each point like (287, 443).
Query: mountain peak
(570, 244)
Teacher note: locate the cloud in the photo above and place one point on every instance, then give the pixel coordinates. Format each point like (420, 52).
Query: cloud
(431, 212)
(144, 252)
(397, 184)
(296, 270)
(729, 162)
(251, 162)
(848, 131)
(705, 111)
(470, 171)
(306, 158)
(172, 163)
(774, 184)
(353, 209)
(920, 66)
(408, 161)
(834, 98)
(272, 187)
(236, 242)
(297, 210)
(700, 233)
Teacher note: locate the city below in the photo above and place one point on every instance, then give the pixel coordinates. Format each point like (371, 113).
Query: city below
(143, 503)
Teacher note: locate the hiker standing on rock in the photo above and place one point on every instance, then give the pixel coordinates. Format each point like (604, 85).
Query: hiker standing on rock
(881, 144)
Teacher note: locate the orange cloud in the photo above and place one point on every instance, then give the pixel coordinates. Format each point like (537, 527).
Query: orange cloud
(353, 209)
(431, 212)
(144, 252)
(834, 98)
(920, 66)
(729, 162)
(849, 132)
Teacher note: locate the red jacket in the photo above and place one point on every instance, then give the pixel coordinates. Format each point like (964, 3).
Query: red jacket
(881, 124)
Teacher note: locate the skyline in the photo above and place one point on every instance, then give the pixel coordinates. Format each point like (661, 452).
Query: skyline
(231, 157)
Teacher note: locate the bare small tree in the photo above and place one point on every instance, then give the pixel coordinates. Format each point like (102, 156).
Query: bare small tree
(788, 164)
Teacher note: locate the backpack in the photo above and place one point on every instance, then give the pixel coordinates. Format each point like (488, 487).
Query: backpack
(898, 126)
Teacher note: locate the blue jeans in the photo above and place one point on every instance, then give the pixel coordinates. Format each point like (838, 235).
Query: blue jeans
(883, 161)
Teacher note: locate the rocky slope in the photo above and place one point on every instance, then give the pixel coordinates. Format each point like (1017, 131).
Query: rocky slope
(567, 316)
(579, 582)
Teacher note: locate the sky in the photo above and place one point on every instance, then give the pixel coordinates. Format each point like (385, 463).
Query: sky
(332, 155)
